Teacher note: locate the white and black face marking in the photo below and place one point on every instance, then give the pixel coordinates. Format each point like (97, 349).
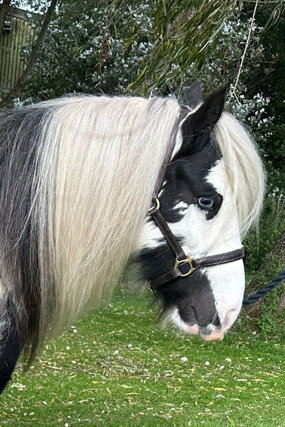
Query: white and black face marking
(197, 203)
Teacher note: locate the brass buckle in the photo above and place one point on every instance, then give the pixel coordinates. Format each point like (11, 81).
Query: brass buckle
(188, 260)
(154, 208)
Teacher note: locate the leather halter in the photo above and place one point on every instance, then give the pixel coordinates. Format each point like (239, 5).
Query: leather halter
(184, 264)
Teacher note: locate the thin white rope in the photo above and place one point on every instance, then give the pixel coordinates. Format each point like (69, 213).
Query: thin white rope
(233, 92)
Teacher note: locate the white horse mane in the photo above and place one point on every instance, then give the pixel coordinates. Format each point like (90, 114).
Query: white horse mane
(100, 160)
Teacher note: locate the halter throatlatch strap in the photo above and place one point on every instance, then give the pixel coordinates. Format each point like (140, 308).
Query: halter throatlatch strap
(189, 264)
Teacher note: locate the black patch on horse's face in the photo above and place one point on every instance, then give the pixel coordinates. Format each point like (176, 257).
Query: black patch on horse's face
(193, 298)
(185, 181)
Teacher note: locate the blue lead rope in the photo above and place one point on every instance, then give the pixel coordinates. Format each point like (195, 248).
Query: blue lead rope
(259, 294)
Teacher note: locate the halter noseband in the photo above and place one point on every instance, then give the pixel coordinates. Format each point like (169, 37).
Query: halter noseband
(186, 262)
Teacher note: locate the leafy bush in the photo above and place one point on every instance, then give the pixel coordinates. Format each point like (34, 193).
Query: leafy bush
(272, 224)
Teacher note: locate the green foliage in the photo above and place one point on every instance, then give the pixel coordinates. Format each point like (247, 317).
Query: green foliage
(115, 45)
(271, 226)
(277, 9)
(270, 322)
(88, 49)
(268, 78)
(183, 35)
(262, 268)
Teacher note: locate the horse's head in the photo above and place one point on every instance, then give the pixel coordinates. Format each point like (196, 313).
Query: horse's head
(200, 205)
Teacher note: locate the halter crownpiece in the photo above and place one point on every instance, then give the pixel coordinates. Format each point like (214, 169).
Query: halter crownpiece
(184, 264)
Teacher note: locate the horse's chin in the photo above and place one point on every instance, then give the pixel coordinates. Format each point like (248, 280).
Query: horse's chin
(216, 335)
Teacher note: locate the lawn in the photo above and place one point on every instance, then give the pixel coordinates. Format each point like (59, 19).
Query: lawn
(118, 368)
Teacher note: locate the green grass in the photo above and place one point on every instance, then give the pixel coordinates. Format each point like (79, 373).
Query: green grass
(117, 368)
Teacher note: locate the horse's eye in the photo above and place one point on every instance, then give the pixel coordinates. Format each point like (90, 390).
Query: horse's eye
(206, 203)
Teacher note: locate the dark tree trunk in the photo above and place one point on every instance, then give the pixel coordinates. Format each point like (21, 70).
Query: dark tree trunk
(3, 14)
(33, 58)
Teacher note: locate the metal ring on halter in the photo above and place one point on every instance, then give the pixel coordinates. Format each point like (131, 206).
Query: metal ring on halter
(188, 260)
(154, 208)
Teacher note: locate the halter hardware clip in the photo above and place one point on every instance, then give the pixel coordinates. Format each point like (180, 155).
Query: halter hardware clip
(188, 260)
(154, 208)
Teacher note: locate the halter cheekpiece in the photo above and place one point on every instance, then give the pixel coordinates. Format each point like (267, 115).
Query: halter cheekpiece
(184, 264)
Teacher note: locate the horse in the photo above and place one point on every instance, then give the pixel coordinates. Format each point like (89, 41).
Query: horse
(89, 182)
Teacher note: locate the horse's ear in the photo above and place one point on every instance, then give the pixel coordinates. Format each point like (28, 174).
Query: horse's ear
(193, 95)
(209, 113)
(204, 119)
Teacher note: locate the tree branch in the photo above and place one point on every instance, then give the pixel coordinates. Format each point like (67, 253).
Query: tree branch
(233, 93)
(33, 58)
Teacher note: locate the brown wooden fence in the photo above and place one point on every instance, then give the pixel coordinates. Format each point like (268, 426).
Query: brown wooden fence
(14, 38)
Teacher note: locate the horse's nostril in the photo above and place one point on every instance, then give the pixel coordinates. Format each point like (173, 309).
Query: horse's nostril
(216, 320)
(205, 330)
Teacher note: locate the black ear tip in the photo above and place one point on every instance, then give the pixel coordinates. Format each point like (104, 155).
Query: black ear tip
(224, 89)
(218, 97)
(221, 91)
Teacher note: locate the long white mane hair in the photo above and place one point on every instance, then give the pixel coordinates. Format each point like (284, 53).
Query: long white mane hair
(78, 175)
